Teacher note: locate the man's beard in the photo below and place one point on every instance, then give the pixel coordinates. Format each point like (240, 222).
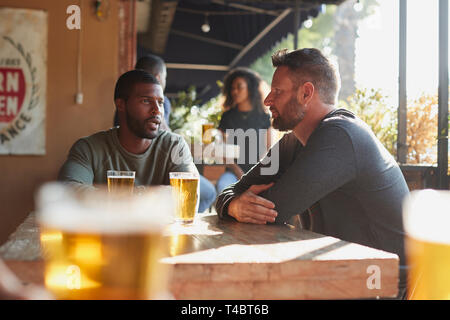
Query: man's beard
(293, 114)
(138, 128)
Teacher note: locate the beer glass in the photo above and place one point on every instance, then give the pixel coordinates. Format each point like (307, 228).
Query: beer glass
(186, 194)
(93, 250)
(207, 136)
(426, 215)
(120, 181)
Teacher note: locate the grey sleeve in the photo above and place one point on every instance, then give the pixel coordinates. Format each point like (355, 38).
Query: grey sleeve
(265, 171)
(327, 163)
(77, 170)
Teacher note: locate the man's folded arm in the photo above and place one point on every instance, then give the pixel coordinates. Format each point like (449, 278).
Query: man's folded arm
(255, 176)
(327, 164)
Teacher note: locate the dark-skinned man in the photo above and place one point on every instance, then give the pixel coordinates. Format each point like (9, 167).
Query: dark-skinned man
(136, 145)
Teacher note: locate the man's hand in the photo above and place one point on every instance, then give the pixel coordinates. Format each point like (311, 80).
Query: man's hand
(251, 208)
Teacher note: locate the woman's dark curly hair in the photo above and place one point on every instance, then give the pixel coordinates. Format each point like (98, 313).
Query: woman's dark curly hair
(253, 81)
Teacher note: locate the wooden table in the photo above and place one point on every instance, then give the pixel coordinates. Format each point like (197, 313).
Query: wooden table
(224, 259)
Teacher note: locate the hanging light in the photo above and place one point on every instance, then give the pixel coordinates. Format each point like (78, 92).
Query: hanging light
(205, 26)
(358, 6)
(308, 23)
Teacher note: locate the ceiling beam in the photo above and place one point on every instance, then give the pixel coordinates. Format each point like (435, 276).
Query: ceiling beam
(245, 7)
(207, 39)
(259, 37)
(303, 3)
(190, 66)
(162, 14)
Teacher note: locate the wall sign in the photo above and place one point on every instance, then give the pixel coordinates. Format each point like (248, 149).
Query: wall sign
(23, 81)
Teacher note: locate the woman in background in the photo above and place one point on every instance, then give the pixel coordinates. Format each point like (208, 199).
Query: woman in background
(244, 110)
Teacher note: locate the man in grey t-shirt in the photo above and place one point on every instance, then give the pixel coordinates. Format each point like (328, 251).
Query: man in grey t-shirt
(331, 159)
(136, 145)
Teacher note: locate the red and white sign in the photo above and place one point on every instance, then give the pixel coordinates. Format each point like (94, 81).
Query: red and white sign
(12, 93)
(23, 78)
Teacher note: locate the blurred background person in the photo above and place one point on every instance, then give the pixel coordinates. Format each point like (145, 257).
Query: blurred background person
(244, 109)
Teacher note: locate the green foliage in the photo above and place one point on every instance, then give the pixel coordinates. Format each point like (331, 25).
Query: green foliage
(421, 131)
(372, 108)
(319, 36)
(181, 108)
(187, 115)
(421, 134)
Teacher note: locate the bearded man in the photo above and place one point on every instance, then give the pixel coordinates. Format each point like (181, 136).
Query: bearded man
(330, 161)
(136, 144)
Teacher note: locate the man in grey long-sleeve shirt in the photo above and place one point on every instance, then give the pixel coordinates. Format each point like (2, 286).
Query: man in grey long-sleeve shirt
(331, 158)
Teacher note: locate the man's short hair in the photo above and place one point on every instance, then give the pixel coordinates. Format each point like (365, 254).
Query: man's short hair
(310, 65)
(151, 63)
(129, 79)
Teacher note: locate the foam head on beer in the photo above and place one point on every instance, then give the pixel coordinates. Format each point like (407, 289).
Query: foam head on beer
(426, 217)
(120, 181)
(99, 211)
(99, 245)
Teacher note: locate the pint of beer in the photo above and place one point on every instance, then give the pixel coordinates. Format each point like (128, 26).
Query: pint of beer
(120, 181)
(186, 192)
(427, 219)
(93, 251)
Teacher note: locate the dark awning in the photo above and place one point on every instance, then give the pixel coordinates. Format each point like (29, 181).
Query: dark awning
(240, 32)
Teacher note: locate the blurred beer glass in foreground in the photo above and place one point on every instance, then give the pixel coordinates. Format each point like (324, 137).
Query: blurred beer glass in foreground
(120, 181)
(186, 193)
(426, 216)
(99, 246)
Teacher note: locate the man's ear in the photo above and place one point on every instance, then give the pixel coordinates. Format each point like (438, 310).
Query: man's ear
(305, 93)
(120, 104)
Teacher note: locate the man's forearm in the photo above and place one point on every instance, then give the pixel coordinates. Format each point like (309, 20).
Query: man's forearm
(256, 176)
(79, 186)
(228, 194)
(75, 174)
